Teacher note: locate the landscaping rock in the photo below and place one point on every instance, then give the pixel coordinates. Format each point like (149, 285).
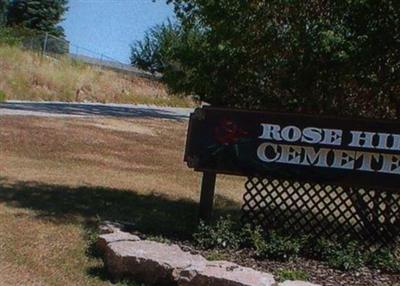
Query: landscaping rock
(296, 283)
(155, 263)
(104, 239)
(223, 273)
(150, 262)
(110, 227)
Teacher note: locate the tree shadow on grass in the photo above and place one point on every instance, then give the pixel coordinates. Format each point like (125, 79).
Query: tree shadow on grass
(151, 214)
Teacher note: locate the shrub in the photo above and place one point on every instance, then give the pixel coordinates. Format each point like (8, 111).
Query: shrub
(348, 256)
(384, 260)
(221, 235)
(225, 234)
(14, 36)
(252, 237)
(323, 248)
(279, 247)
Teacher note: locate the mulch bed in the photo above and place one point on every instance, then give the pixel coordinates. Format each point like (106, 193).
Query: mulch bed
(319, 272)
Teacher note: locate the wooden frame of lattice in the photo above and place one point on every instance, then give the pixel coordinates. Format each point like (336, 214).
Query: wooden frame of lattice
(322, 210)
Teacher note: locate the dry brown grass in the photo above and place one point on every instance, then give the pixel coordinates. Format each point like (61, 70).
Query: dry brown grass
(58, 176)
(28, 76)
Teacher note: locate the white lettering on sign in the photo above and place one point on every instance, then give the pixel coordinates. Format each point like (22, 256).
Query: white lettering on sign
(362, 139)
(308, 135)
(274, 150)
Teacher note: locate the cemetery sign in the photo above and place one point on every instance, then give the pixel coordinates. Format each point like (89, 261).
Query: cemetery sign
(349, 152)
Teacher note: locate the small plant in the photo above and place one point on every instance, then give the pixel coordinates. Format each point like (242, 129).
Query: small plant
(251, 237)
(225, 234)
(345, 257)
(221, 235)
(292, 274)
(91, 248)
(323, 248)
(158, 238)
(216, 255)
(2, 96)
(384, 260)
(129, 283)
(278, 247)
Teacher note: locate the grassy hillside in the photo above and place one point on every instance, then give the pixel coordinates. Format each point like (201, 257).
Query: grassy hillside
(26, 75)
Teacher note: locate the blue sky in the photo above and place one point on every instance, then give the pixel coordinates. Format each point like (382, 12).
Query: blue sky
(109, 26)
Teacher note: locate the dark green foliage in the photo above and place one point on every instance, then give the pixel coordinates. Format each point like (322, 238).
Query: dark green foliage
(251, 237)
(169, 49)
(292, 274)
(43, 15)
(222, 235)
(322, 248)
(217, 255)
(129, 283)
(225, 234)
(331, 57)
(15, 35)
(384, 259)
(3, 11)
(278, 247)
(347, 256)
(151, 53)
(2, 96)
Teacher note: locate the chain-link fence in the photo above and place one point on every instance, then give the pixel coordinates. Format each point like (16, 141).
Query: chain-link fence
(49, 45)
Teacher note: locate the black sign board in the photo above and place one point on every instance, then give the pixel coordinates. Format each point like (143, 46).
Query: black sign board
(349, 152)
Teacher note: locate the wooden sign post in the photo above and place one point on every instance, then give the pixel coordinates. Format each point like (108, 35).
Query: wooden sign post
(207, 196)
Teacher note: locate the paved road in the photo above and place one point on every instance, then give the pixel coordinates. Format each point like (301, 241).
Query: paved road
(64, 109)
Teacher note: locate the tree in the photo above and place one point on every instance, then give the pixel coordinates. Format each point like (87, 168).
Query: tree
(151, 53)
(165, 49)
(332, 57)
(3, 11)
(40, 15)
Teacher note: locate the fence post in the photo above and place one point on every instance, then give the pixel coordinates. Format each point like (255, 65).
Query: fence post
(46, 38)
(207, 196)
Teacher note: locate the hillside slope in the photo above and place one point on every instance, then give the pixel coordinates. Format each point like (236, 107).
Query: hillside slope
(26, 75)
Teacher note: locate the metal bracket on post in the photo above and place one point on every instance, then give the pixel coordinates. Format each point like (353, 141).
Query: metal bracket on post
(207, 196)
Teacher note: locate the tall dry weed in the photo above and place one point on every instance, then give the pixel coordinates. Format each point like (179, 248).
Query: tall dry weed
(26, 75)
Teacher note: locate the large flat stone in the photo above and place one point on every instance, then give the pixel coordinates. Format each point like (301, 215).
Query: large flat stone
(297, 283)
(150, 262)
(223, 273)
(154, 263)
(110, 227)
(104, 239)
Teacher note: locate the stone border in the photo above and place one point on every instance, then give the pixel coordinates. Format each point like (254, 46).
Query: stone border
(127, 256)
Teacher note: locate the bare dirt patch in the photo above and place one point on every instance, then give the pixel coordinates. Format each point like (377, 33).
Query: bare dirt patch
(122, 126)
